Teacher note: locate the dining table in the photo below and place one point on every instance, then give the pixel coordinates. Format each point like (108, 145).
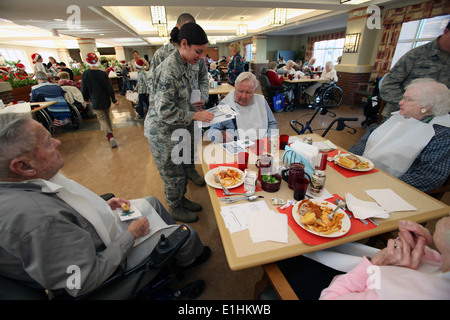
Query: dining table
(242, 252)
(223, 88)
(299, 85)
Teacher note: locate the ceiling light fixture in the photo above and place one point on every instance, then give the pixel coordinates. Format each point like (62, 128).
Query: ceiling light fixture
(277, 16)
(158, 14)
(353, 1)
(162, 30)
(241, 28)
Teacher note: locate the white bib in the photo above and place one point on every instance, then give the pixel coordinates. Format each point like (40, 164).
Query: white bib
(252, 119)
(395, 145)
(94, 209)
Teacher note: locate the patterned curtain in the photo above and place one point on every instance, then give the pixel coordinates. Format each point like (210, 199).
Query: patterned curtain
(322, 37)
(392, 23)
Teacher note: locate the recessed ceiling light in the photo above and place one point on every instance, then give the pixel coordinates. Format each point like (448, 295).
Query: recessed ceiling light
(101, 34)
(59, 20)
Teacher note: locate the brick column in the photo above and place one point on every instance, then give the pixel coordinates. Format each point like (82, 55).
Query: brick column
(348, 82)
(6, 92)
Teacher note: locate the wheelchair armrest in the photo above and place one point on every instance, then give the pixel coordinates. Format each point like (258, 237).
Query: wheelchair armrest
(107, 196)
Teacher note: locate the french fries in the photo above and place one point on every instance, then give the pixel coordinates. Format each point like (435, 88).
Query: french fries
(322, 223)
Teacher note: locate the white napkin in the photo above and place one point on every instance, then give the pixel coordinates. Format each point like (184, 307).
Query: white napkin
(364, 209)
(309, 152)
(389, 200)
(196, 95)
(17, 108)
(268, 226)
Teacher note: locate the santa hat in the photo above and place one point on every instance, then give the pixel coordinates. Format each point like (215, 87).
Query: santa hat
(92, 59)
(123, 62)
(139, 63)
(35, 57)
(20, 66)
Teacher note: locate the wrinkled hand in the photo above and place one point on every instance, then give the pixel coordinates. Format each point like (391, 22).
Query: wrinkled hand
(400, 253)
(115, 203)
(411, 231)
(139, 228)
(204, 116)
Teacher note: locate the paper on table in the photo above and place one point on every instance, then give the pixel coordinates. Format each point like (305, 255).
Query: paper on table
(235, 215)
(325, 195)
(268, 226)
(364, 209)
(389, 200)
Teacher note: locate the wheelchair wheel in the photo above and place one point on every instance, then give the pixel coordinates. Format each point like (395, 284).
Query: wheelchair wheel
(43, 117)
(75, 119)
(332, 96)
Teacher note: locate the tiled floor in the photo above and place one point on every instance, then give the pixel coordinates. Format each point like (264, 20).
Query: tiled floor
(129, 171)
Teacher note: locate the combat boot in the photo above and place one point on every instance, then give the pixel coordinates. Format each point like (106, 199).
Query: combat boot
(191, 206)
(194, 176)
(181, 214)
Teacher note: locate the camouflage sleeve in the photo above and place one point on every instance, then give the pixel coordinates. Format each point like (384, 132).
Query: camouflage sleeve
(203, 82)
(393, 85)
(171, 101)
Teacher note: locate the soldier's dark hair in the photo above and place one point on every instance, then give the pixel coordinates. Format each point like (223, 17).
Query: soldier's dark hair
(192, 32)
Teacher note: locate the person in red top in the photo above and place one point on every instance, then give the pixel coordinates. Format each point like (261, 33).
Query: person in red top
(20, 72)
(274, 78)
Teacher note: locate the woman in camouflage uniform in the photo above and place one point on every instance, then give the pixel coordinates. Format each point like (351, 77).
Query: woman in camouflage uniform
(170, 110)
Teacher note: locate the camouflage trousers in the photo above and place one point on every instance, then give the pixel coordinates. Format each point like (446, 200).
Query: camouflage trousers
(173, 175)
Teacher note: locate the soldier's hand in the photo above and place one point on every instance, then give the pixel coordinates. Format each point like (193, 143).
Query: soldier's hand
(204, 116)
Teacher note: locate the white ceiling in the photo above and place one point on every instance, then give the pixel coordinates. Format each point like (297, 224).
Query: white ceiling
(112, 23)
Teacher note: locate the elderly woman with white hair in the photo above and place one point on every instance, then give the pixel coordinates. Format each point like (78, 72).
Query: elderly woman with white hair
(329, 74)
(413, 144)
(255, 120)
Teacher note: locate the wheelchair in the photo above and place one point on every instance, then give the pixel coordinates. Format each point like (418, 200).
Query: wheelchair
(59, 114)
(329, 95)
(147, 281)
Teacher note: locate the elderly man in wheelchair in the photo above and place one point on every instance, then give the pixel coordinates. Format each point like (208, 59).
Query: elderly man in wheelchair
(58, 237)
(60, 113)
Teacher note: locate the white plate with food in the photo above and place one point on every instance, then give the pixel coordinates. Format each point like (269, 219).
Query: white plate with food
(312, 215)
(229, 176)
(352, 162)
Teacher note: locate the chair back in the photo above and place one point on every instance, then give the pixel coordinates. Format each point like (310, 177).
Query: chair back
(60, 110)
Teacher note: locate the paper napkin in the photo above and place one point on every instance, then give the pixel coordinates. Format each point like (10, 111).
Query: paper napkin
(268, 226)
(389, 200)
(364, 209)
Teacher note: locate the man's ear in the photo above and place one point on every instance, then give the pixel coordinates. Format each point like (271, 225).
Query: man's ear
(21, 166)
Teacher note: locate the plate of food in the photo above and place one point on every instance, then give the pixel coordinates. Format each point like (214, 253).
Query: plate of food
(352, 162)
(312, 215)
(229, 176)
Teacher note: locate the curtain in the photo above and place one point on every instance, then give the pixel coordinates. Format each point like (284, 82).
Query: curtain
(392, 25)
(322, 37)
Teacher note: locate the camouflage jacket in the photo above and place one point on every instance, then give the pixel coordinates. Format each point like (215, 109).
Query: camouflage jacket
(198, 73)
(169, 102)
(427, 61)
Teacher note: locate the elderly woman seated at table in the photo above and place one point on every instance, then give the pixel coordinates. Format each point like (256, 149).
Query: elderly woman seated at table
(255, 119)
(329, 74)
(413, 144)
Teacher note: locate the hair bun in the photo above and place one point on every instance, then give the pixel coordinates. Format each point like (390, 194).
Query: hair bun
(174, 35)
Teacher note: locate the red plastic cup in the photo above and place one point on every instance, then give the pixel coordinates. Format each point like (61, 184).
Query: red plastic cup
(284, 138)
(300, 187)
(243, 160)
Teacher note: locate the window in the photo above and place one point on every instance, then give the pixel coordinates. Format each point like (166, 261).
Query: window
(418, 32)
(248, 52)
(328, 50)
(15, 55)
